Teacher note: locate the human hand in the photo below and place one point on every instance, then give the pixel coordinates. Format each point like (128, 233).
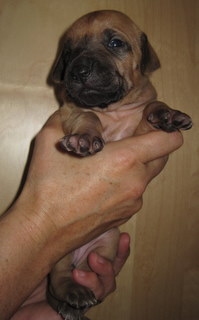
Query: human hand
(101, 192)
(67, 201)
(101, 281)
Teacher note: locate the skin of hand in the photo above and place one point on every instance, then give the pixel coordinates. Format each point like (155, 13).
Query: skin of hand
(67, 201)
(101, 281)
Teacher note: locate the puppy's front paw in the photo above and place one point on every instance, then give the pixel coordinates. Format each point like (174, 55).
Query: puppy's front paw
(82, 144)
(169, 120)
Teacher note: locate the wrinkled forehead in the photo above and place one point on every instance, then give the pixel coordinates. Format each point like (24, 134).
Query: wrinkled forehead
(97, 23)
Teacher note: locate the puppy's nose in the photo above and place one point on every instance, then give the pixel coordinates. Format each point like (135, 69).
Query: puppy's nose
(80, 72)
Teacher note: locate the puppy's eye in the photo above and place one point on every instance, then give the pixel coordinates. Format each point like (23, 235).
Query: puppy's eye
(116, 43)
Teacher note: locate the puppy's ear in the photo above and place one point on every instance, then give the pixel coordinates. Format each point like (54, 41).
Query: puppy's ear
(149, 60)
(58, 69)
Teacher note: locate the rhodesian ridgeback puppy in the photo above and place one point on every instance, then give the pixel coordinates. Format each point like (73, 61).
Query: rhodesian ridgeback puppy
(102, 72)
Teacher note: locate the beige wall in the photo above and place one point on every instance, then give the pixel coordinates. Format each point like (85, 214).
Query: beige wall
(161, 279)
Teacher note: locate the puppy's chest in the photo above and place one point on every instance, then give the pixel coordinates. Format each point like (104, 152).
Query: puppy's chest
(119, 124)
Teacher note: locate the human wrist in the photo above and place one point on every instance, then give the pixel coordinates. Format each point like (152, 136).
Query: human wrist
(33, 219)
(26, 253)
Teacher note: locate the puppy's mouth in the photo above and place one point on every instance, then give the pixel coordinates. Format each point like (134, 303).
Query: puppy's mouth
(91, 97)
(94, 84)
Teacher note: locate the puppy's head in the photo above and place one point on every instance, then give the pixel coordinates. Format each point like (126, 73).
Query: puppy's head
(104, 57)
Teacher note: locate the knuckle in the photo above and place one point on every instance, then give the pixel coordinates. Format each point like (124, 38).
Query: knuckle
(44, 133)
(135, 189)
(138, 190)
(125, 158)
(139, 204)
(48, 136)
(109, 268)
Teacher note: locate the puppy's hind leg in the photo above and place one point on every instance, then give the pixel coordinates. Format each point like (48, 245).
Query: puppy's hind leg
(70, 299)
(83, 131)
(65, 296)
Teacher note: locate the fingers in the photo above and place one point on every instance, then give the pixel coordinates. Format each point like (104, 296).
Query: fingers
(102, 280)
(144, 148)
(154, 145)
(51, 132)
(122, 253)
(153, 168)
(54, 124)
(54, 120)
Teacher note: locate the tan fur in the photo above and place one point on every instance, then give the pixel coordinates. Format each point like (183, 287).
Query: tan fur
(117, 121)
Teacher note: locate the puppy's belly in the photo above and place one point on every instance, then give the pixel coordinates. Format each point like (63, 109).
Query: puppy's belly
(80, 254)
(120, 124)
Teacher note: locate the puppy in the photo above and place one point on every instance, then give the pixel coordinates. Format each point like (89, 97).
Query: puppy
(102, 76)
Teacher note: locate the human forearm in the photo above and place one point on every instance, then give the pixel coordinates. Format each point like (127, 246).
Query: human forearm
(24, 255)
(31, 243)
(67, 201)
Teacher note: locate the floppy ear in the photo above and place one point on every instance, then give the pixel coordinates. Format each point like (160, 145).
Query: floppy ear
(58, 69)
(149, 60)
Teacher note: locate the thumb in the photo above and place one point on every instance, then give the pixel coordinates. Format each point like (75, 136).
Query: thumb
(153, 145)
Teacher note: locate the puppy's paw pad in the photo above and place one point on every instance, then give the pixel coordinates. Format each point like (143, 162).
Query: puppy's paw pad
(67, 312)
(97, 144)
(169, 120)
(69, 142)
(182, 121)
(76, 302)
(80, 297)
(82, 144)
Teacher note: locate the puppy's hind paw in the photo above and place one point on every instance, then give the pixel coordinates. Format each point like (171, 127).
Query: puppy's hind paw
(77, 301)
(72, 315)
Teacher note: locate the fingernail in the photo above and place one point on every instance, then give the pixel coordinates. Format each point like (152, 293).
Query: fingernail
(100, 260)
(80, 273)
